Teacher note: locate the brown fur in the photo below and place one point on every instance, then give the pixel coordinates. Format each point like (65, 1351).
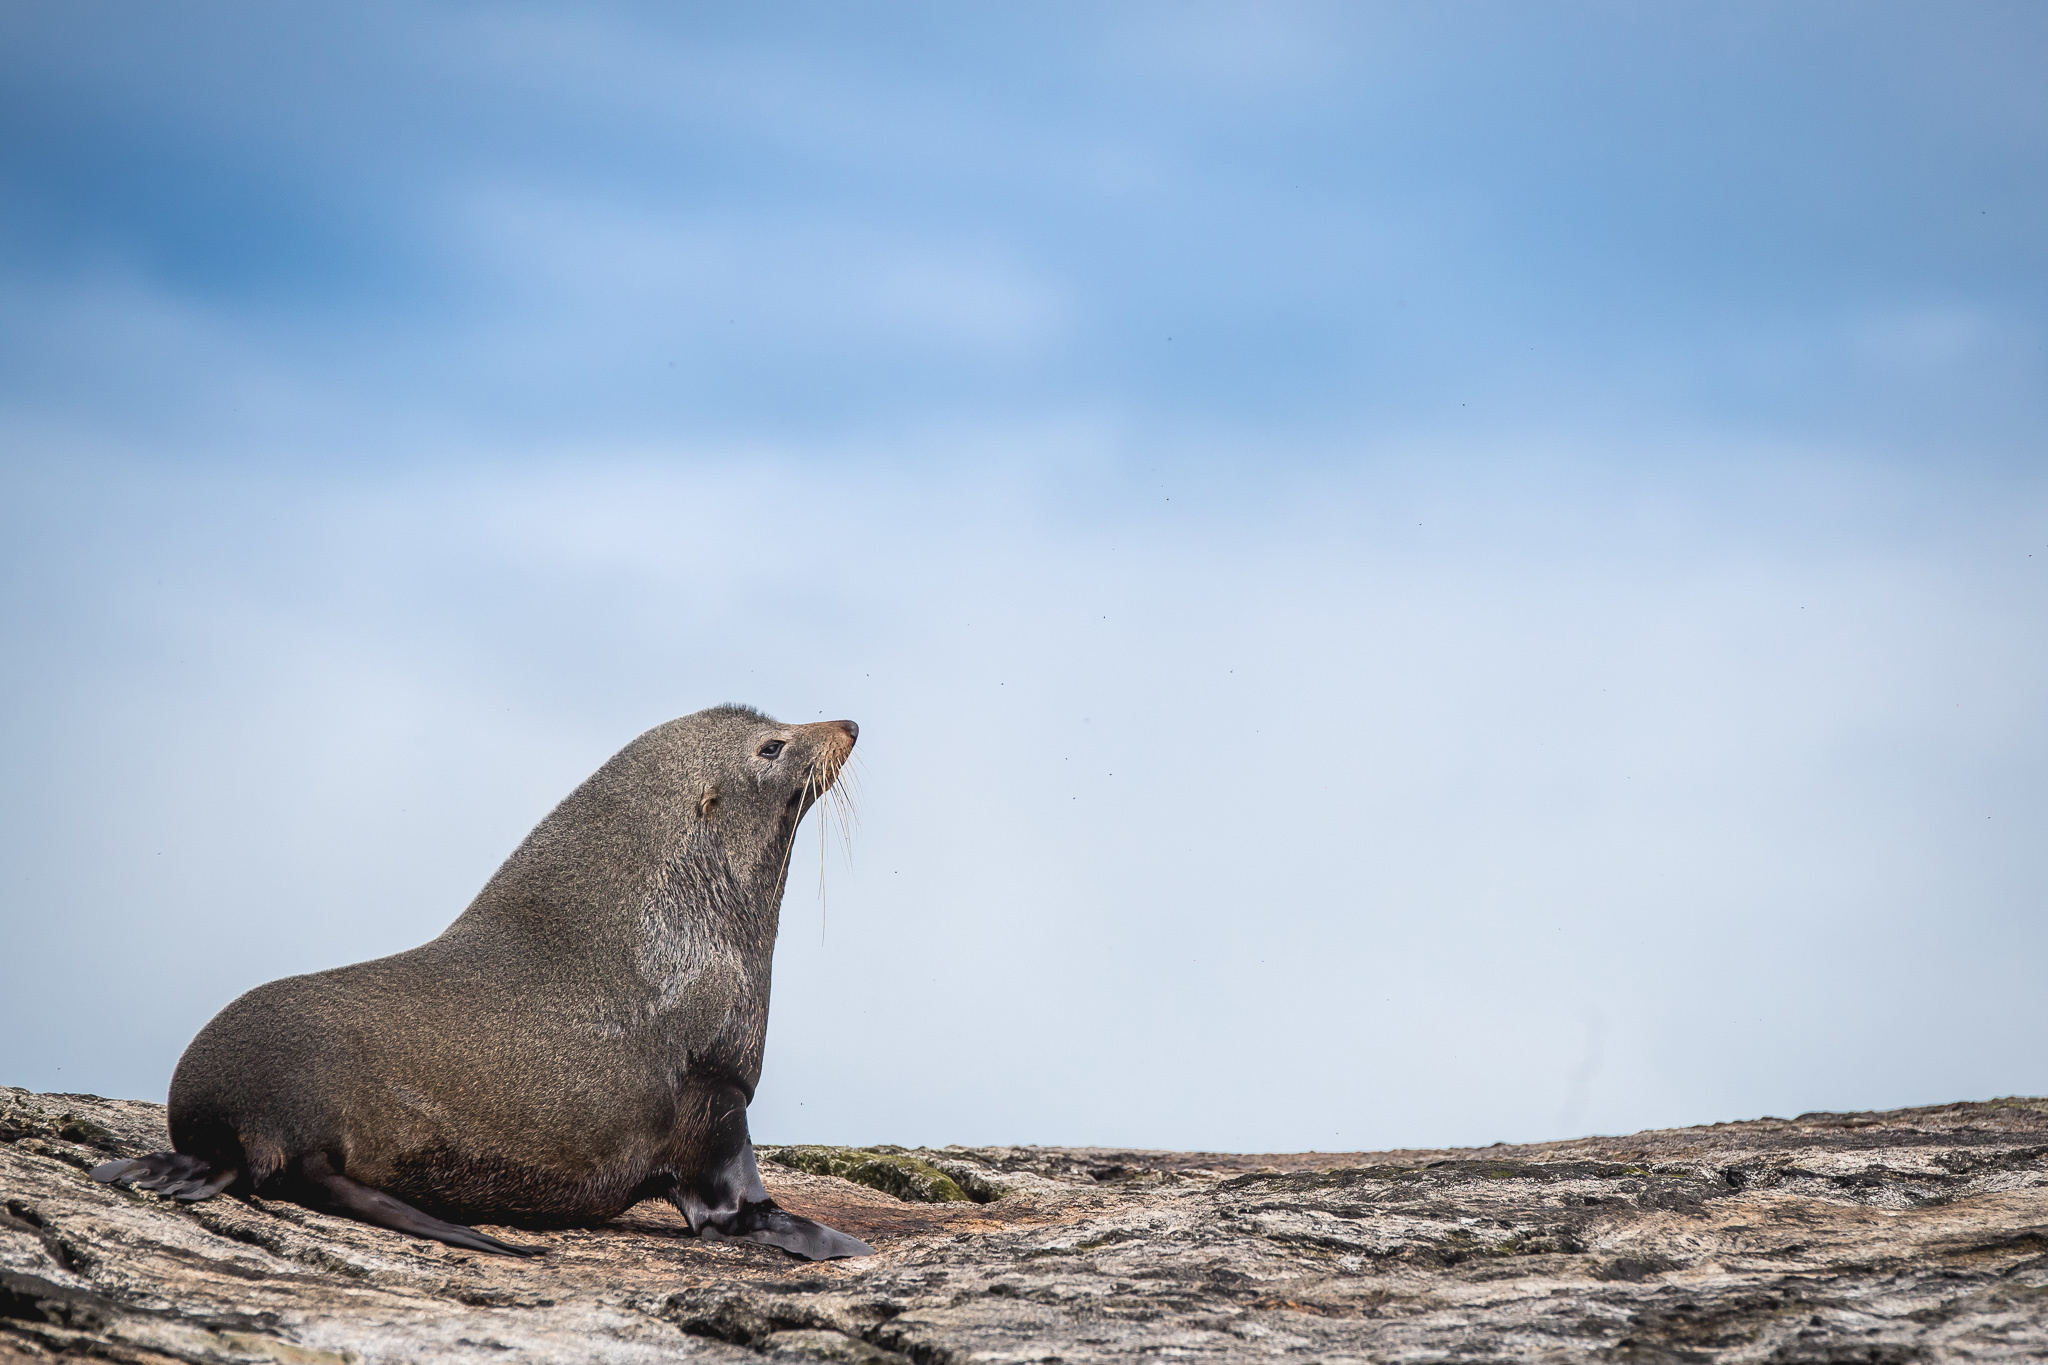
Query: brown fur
(581, 1037)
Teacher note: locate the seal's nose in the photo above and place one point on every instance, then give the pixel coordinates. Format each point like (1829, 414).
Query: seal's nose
(852, 730)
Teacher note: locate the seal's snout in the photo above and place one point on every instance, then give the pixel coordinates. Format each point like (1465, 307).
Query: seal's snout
(847, 727)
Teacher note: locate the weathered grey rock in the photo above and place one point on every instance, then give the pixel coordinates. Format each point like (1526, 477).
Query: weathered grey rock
(1915, 1235)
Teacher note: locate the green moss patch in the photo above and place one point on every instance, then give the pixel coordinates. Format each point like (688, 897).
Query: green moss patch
(893, 1173)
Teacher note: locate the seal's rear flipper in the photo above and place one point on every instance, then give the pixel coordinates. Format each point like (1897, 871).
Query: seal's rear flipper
(374, 1206)
(358, 1200)
(177, 1174)
(767, 1221)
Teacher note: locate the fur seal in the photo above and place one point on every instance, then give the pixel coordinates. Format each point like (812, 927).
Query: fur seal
(587, 1034)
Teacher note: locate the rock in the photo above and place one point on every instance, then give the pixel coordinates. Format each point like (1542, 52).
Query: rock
(1915, 1235)
(829, 1346)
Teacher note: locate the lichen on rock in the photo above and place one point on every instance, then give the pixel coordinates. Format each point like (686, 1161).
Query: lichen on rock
(891, 1170)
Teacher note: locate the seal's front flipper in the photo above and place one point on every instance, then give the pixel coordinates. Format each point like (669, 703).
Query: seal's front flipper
(177, 1174)
(767, 1221)
(727, 1199)
(358, 1200)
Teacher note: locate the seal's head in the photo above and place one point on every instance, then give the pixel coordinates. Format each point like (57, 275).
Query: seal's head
(749, 778)
(750, 762)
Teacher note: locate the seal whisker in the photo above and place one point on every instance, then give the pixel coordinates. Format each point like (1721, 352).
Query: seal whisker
(847, 817)
(844, 806)
(840, 813)
(789, 849)
(849, 788)
(824, 818)
(843, 811)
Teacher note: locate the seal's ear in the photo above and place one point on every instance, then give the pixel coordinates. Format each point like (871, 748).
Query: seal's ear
(707, 803)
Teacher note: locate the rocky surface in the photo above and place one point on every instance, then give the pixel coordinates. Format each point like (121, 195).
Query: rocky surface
(1916, 1235)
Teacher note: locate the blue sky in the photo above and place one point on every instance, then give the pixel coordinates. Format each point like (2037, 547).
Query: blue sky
(1478, 565)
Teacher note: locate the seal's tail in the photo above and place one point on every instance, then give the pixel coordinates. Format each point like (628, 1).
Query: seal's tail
(190, 1178)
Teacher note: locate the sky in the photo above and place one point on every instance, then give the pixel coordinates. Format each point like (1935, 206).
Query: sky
(1410, 574)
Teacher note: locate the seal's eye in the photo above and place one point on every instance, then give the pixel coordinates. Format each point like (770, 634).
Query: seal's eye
(771, 748)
